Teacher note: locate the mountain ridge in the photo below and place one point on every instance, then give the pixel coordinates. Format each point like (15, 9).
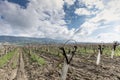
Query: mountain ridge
(22, 39)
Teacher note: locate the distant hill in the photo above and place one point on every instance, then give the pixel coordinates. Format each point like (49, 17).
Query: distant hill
(14, 39)
(25, 40)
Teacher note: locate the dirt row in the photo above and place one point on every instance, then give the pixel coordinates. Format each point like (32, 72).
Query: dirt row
(41, 72)
(7, 72)
(82, 68)
(14, 70)
(21, 73)
(86, 69)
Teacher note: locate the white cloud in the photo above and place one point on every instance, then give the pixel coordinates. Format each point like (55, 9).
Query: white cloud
(17, 17)
(91, 7)
(70, 2)
(106, 21)
(93, 3)
(5, 28)
(39, 19)
(117, 29)
(87, 28)
(45, 18)
(102, 37)
(82, 11)
(109, 37)
(110, 13)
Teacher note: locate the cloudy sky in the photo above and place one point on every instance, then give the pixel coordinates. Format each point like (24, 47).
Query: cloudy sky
(81, 20)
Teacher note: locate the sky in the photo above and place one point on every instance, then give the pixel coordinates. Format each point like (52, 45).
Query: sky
(80, 20)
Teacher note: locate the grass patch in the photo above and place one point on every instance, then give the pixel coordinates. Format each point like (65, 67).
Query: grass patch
(6, 58)
(14, 64)
(117, 52)
(36, 58)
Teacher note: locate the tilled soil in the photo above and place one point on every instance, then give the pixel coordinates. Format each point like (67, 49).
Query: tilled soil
(21, 74)
(86, 69)
(81, 68)
(41, 72)
(7, 72)
(17, 73)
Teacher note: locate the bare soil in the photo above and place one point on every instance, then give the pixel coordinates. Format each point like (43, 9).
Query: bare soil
(17, 73)
(83, 67)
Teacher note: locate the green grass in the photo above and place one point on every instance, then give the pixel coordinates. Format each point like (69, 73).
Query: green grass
(108, 51)
(36, 58)
(14, 64)
(117, 52)
(6, 58)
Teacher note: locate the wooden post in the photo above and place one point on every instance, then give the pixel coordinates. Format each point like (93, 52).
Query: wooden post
(5, 49)
(67, 60)
(64, 70)
(100, 49)
(112, 54)
(114, 48)
(98, 58)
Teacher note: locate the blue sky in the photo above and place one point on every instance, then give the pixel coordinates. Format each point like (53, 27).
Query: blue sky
(22, 3)
(81, 20)
(72, 19)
